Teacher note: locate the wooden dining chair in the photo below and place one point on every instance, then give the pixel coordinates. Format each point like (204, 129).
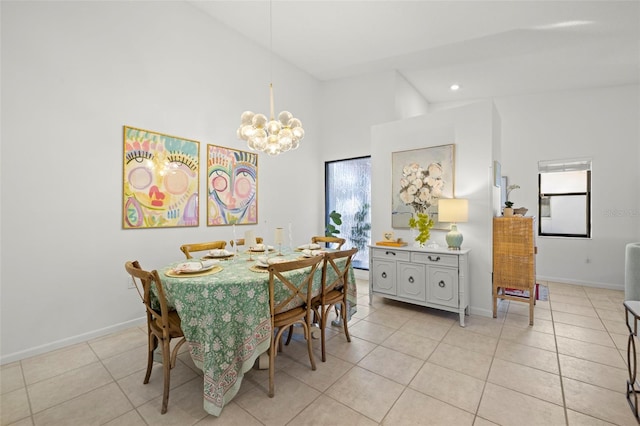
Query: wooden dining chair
(329, 240)
(259, 240)
(163, 324)
(187, 249)
(335, 285)
(290, 294)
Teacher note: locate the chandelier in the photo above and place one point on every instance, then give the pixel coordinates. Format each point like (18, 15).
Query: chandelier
(271, 136)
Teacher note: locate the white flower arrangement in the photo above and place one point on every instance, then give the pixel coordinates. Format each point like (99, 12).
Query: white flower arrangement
(419, 187)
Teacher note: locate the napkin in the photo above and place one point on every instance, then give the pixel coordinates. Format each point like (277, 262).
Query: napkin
(311, 253)
(312, 246)
(258, 247)
(264, 261)
(195, 266)
(219, 253)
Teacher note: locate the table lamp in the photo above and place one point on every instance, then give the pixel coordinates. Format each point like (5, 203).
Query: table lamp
(453, 210)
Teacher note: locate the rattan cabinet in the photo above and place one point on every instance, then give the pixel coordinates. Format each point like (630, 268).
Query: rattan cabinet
(514, 262)
(436, 278)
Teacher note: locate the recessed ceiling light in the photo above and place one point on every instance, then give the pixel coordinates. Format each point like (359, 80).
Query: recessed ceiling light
(454, 87)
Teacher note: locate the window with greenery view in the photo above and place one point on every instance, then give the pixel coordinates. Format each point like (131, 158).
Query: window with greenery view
(564, 198)
(348, 192)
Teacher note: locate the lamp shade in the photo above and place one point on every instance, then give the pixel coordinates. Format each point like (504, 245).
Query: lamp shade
(453, 210)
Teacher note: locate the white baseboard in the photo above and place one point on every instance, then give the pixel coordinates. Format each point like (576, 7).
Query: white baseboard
(17, 356)
(580, 282)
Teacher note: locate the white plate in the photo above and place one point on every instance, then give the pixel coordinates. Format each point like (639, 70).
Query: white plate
(312, 246)
(217, 254)
(192, 268)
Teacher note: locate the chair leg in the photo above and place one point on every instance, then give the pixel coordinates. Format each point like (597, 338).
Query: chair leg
(323, 325)
(174, 354)
(166, 367)
(344, 320)
(307, 335)
(153, 344)
(272, 366)
(289, 336)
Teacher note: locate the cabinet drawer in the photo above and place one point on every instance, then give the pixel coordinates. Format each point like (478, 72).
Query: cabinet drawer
(435, 259)
(388, 254)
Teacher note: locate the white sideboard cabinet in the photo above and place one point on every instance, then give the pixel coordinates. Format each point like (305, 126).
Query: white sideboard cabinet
(436, 278)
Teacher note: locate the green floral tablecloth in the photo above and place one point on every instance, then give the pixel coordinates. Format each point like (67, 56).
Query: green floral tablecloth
(225, 318)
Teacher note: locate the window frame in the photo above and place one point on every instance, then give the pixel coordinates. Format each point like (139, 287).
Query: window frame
(565, 166)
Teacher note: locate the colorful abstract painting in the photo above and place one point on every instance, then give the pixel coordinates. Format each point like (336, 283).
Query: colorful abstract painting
(161, 180)
(232, 186)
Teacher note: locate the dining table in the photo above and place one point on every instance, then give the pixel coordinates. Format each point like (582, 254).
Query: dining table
(225, 317)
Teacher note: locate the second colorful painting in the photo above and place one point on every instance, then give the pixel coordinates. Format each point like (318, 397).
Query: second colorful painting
(232, 186)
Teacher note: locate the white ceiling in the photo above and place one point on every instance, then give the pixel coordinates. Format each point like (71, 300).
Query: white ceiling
(491, 48)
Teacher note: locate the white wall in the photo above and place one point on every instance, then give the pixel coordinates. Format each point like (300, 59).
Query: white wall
(601, 124)
(73, 73)
(471, 128)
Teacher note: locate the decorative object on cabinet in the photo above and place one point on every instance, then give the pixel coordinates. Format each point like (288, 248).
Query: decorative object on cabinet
(232, 186)
(396, 243)
(514, 265)
(508, 205)
(160, 180)
(454, 210)
(422, 224)
(421, 177)
(435, 278)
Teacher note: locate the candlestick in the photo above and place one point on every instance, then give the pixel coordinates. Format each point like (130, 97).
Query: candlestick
(290, 237)
(279, 239)
(250, 241)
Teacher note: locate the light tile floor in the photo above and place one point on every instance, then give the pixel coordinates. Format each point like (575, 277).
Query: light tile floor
(405, 365)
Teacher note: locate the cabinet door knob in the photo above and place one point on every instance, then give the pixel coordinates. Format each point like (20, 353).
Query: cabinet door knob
(390, 252)
(441, 284)
(434, 260)
(411, 280)
(384, 275)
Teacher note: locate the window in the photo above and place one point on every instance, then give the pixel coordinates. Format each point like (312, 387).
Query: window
(348, 192)
(564, 198)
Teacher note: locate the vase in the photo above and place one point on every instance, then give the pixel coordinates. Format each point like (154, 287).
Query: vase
(507, 212)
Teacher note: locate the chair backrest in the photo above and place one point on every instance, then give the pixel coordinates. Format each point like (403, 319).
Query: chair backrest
(259, 240)
(296, 288)
(330, 240)
(158, 320)
(335, 273)
(187, 249)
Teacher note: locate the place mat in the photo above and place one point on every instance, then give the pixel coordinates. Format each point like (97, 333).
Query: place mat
(256, 268)
(213, 270)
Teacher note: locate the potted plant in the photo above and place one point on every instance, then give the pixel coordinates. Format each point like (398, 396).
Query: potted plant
(331, 230)
(508, 205)
(422, 224)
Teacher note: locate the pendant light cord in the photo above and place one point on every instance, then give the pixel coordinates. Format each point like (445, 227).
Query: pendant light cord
(271, 60)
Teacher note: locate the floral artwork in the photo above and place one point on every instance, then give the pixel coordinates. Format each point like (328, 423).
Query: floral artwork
(160, 180)
(420, 178)
(232, 186)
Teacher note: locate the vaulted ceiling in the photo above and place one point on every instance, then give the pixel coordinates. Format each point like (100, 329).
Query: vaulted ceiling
(490, 48)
